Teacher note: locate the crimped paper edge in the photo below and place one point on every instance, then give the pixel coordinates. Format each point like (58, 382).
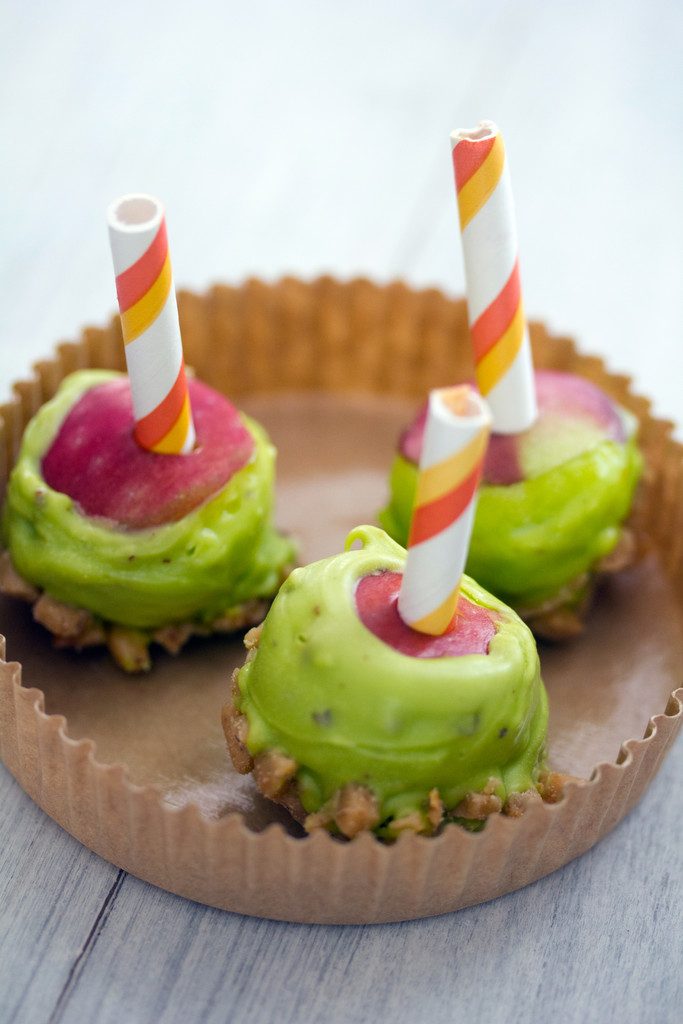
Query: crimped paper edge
(318, 878)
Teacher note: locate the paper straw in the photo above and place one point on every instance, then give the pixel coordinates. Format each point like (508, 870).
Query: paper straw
(456, 435)
(151, 332)
(500, 337)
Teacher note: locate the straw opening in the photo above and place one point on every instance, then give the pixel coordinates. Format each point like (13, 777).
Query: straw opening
(135, 212)
(463, 402)
(483, 131)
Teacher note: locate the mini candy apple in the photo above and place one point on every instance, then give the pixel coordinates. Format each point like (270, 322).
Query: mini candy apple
(356, 722)
(553, 503)
(115, 544)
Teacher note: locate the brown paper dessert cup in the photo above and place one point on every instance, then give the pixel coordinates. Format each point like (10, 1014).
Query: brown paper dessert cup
(137, 769)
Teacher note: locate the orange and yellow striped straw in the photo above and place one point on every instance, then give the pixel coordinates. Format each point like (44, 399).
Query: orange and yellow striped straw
(502, 354)
(151, 331)
(455, 440)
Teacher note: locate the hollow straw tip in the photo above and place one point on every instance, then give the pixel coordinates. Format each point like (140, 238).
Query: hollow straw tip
(483, 132)
(460, 405)
(135, 213)
(135, 221)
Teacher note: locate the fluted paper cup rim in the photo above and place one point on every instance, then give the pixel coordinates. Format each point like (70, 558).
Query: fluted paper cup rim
(34, 744)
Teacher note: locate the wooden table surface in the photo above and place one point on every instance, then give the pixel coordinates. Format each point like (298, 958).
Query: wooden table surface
(305, 138)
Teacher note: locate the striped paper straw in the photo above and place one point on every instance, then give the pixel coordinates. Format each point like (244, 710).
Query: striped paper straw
(502, 354)
(151, 332)
(456, 435)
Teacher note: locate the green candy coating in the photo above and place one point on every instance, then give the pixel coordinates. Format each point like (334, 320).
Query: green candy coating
(220, 555)
(347, 707)
(532, 539)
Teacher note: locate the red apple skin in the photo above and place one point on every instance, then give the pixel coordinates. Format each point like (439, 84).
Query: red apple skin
(470, 632)
(96, 461)
(565, 402)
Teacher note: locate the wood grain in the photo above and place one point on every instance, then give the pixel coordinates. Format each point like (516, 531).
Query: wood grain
(51, 892)
(298, 138)
(595, 942)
